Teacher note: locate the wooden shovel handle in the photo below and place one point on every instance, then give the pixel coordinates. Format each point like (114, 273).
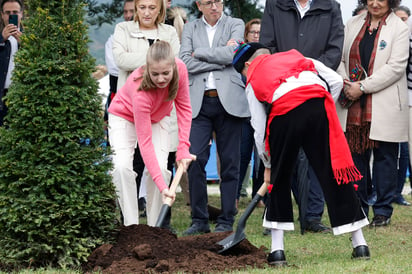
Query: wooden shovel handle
(263, 189)
(175, 183)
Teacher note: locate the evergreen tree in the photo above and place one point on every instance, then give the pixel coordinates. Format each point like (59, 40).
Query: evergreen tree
(56, 195)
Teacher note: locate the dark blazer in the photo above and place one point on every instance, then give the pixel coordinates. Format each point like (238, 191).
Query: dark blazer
(319, 34)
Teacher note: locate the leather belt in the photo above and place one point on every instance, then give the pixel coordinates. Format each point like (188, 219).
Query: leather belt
(210, 93)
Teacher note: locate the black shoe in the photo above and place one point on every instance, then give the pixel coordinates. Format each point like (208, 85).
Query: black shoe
(277, 258)
(223, 228)
(401, 201)
(197, 228)
(316, 227)
(361, 252)
(380, 220)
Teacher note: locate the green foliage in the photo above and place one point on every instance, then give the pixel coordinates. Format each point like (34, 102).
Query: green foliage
(56, 195)
(244, 9)
(100, 13)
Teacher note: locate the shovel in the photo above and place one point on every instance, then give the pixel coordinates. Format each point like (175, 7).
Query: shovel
(168, 202)
(236, 237)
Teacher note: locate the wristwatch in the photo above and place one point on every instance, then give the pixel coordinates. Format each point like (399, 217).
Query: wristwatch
(362, 88)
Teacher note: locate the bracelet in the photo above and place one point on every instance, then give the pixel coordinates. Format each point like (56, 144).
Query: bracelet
(362, 88)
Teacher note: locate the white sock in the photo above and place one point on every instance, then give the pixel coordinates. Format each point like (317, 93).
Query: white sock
(277, 239)
(358, 239)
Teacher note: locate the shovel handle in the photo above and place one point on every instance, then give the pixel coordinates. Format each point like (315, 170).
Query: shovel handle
(263, 189)
(175, 183)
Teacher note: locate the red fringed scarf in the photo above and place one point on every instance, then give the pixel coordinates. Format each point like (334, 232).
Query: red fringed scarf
(267, 72)
(359, 117)
(343, 167)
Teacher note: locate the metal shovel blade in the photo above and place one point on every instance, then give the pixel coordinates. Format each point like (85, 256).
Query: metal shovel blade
(236, 237)
(162, 215)
(168, 204)
(231, 241)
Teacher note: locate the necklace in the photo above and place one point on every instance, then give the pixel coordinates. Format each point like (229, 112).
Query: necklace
(372, 29)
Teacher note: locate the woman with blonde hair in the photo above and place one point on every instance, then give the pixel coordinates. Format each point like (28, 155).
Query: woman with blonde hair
(132, 39)
(140, 112)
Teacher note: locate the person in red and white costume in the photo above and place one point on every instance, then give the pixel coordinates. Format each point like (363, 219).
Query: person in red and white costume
(291, 93)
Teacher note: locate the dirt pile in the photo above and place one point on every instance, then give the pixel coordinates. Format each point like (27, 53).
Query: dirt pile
(144, 249)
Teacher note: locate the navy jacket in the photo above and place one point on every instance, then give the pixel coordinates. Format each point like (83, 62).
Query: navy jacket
(319, 34)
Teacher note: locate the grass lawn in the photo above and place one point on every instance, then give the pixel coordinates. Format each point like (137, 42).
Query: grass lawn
(391, 246)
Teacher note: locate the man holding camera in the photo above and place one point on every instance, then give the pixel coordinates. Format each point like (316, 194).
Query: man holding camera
(11, 14)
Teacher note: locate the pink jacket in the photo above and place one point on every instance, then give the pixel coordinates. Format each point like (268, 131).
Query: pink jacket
(143, 108)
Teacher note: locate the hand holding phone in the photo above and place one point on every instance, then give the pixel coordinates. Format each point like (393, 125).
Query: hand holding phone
(13, 19)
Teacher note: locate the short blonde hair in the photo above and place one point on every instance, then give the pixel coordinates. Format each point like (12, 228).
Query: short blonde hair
(160, 51)
(160, 17)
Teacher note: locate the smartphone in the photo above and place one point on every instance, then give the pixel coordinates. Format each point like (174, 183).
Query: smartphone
(13, 19)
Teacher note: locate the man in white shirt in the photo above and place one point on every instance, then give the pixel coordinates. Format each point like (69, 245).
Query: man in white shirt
(218, 105)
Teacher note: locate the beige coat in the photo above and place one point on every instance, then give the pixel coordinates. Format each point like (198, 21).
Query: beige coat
(130, 46)
(388, 82)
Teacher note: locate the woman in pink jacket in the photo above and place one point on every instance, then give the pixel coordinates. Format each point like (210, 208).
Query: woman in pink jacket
(141, 112)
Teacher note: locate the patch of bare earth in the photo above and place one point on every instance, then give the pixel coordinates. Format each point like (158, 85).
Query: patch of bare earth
(144, 249)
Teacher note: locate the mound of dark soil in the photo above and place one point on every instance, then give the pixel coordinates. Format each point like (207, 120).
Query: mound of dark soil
(144, 249)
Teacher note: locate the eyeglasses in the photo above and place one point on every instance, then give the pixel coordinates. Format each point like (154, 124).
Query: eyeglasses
(209, 4)
(254, 32)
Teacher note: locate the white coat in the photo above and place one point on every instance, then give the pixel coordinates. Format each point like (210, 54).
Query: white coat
(130, 46)
(387, 84)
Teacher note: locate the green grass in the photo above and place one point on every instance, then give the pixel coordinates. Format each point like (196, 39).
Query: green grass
(391, 246)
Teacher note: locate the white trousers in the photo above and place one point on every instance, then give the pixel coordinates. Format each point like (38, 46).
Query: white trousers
(123, 140)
